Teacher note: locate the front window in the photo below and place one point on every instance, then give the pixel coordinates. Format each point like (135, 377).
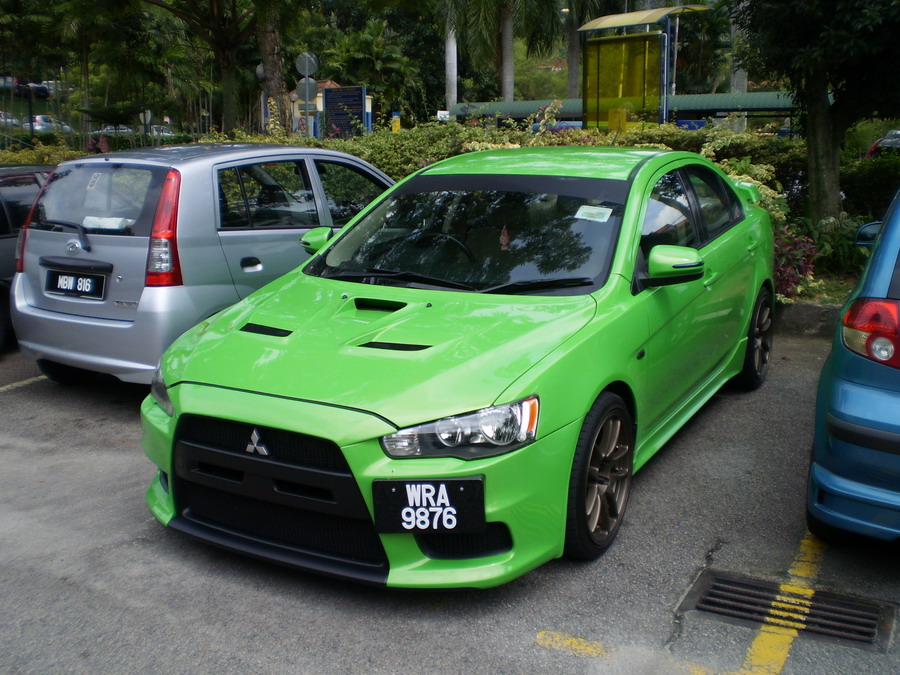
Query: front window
(487, 233)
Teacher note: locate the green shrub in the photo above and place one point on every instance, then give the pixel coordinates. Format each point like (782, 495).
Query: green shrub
(869, 184)
(836, 252)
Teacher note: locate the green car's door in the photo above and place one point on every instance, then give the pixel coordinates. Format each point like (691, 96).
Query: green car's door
(687, 338)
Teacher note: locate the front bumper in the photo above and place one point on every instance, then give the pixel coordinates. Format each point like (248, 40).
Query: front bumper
(525, 495)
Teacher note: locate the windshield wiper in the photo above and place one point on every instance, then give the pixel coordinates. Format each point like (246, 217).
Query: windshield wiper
(82, 231)
(401, 275)
(539, 284)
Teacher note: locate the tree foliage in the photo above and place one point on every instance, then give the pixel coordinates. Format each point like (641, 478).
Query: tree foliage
(840, 62)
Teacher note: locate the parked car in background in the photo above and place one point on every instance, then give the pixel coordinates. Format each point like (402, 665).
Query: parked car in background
(45, 123)
(854, 475)
(115, 129)
(460, 387)
(890, 142)
(159, 130)
(126, 251)
(19, 186)
(8, 120)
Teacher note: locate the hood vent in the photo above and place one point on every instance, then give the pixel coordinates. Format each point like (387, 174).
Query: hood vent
(376, 305)
(265, 330)
(395, 346)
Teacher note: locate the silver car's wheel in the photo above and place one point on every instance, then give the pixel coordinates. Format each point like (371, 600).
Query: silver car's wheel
(601, 478)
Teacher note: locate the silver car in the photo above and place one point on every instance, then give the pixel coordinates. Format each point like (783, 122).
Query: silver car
(126, 251)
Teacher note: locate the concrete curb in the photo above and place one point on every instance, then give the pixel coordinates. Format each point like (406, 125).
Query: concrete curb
(807, 318)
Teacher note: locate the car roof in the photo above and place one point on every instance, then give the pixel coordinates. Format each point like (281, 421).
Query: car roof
(176, 154)
(575, 161)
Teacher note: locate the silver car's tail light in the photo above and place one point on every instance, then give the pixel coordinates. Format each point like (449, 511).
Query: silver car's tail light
(163, 266)
(871, 329)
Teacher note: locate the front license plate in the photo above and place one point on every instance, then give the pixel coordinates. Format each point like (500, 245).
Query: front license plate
(453, 505)
(76, 285)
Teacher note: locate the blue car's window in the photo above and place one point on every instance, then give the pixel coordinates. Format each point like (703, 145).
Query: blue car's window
(544, 234)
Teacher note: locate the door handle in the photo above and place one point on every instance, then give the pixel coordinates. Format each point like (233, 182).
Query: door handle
(251, 264)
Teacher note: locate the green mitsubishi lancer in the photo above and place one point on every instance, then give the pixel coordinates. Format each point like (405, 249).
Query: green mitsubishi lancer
(460, 385)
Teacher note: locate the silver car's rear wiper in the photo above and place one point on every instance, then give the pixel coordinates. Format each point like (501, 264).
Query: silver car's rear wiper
(81, 229)
(539, 284)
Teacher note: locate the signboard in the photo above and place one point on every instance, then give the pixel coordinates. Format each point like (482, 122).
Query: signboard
(345, 110)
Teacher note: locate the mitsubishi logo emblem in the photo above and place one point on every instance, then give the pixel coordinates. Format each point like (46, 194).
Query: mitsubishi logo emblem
(255, 446)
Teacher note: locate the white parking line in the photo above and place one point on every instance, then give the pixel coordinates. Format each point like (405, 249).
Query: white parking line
(23, 383)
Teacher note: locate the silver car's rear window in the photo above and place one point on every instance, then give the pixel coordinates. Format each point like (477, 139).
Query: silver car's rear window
(118, 199)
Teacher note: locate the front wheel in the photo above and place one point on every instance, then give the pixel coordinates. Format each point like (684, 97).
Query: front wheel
(759, 342)
(601, 478)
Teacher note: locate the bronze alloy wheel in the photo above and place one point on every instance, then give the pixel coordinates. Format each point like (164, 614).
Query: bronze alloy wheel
(601, 478)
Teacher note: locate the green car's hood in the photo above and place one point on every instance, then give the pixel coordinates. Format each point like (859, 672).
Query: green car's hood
(408, 355)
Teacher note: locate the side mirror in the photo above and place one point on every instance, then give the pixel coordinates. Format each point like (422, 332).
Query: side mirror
(669, 265)
(748, 191)
(315, 239)
(867, 234)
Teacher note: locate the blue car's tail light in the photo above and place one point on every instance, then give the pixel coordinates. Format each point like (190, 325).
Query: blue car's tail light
(872, 329)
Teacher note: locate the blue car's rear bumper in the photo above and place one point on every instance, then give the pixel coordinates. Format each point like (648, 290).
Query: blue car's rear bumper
(854, 478)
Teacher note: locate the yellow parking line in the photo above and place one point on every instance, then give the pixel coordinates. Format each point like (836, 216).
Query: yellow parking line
(22, 383)
(772, 645)
(569, 643)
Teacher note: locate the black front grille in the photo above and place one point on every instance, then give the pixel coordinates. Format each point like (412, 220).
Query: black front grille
(309, 531)
(299, 504)
(283, 446)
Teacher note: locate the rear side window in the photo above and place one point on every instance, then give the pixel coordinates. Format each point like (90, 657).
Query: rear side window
(266, 195)
(102, 198)
(347, 189)
(719, 206)
(17, 193)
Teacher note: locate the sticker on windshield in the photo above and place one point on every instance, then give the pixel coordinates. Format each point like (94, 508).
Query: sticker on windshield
(598, 214)
(94, 180)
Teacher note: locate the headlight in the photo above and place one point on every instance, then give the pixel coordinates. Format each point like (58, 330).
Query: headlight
(483, 433)
(160, 392)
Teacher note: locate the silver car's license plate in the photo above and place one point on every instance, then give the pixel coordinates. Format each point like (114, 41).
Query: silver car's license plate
(76, 285)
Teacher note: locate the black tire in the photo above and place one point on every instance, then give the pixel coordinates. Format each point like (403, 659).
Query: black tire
(600, 482)
(6, 329)
(759, 342)
(61, 373)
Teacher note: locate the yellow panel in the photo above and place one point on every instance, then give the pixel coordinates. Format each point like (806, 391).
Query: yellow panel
(621, 79)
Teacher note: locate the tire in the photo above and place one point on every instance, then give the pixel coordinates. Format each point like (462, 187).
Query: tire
(759, 342)
(600, 482)
(6, 329)
(61, 373)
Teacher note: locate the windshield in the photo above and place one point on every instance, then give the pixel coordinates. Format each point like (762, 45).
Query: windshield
(487, 233)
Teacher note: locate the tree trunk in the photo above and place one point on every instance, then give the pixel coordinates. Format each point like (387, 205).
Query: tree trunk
(229, 95)
(269, 38)
(507, 61)
(450, 68)
(823, 150)
(573, 55)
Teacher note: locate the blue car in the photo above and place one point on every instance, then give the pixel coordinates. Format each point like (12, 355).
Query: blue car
(854, 476)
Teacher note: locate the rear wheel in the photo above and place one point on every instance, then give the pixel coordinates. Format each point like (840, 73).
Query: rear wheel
(601, 478)
(759, 342)
(61, 373)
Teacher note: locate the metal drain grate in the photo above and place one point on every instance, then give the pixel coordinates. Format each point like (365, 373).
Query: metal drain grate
(861, 622)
